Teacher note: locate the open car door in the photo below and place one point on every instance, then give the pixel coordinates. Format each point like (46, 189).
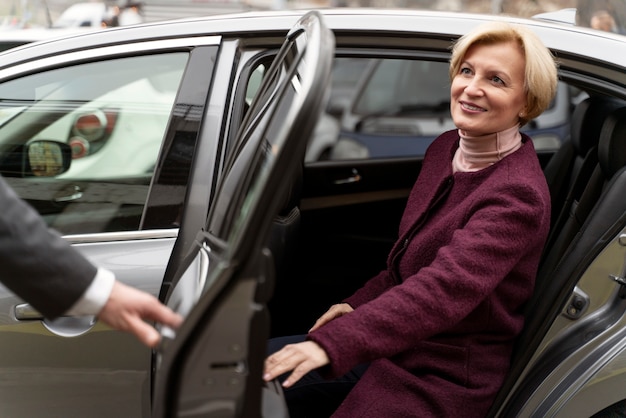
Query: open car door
(212, 366)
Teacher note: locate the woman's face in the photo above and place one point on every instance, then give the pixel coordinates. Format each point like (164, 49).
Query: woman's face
(487, 94)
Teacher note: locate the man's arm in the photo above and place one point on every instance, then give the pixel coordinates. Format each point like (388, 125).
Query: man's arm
(124, 308)
(43, 269)
(37, 264)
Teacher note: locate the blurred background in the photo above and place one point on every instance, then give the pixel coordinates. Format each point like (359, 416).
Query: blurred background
(20, 14)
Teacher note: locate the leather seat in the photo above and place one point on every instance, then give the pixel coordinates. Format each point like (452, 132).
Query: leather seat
(571, 165)
(599, 212)
(587, 176)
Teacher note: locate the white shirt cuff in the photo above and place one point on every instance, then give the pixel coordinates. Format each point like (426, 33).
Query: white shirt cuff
(96, 295)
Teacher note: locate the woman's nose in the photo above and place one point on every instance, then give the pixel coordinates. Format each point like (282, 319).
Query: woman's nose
(473, 87)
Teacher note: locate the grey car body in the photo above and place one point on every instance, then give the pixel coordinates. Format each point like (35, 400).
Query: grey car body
(157, 192)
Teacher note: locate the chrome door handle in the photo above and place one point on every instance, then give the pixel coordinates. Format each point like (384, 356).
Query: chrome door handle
(63, 326)
(76, 194)
(25, 311)
(356, 177)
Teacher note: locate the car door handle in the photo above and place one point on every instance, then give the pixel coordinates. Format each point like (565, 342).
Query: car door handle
(75, 194)
(64, 326)
(25, 312)
(354, 178)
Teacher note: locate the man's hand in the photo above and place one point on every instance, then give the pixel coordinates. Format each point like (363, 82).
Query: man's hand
(128, 308)
(333, 312)
(301, 358)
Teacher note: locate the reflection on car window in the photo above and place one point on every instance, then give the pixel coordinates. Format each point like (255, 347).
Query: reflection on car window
(258, 137)
(261, 139)
(395, 108)
(397, 86)
(113, 115)
(254, 83)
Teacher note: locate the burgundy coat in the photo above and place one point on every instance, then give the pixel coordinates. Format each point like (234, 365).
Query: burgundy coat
(439, 323)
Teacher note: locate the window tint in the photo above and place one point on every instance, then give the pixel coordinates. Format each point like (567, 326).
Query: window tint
(394, 108)
(113, 115)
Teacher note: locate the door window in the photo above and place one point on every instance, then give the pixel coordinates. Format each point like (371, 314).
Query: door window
(112, 115)
(394, 108)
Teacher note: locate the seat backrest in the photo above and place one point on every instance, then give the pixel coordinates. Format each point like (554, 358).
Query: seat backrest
(570, 167)
(590, 181)
(600, 210)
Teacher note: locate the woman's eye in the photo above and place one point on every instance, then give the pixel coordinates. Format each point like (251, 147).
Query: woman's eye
(497, 80)
(465, 70)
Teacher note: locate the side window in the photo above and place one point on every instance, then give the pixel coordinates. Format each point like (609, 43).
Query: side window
(382, 108)
(395, 108)
(111, 116)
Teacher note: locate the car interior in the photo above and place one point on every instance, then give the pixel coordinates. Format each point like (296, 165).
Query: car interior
(588, 214)
(344, 229)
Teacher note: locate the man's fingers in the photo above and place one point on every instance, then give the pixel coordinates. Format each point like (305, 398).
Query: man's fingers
(144, 332)
(163, 315)
(128, 308)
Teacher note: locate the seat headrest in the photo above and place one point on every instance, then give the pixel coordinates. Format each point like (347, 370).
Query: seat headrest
(587, 120)
(612, 146)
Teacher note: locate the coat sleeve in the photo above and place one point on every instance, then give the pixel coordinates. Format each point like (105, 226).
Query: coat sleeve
(373, 288)
(38, 264)
(441, 295)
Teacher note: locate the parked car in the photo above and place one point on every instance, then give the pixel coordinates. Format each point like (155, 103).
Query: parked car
(194, 187)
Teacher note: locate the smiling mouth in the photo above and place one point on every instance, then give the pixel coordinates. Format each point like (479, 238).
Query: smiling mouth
(472, 108)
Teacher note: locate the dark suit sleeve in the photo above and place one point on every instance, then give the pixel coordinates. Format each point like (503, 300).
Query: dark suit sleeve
(37, 263)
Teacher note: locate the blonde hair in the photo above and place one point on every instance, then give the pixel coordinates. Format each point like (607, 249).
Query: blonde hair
(540, 73)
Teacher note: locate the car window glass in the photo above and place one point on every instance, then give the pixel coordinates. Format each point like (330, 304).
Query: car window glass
(113, 115)
(256, 132)
(255, 82)
(394, 108)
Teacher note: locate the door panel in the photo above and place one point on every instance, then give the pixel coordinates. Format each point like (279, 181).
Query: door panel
(222, 341)
(125, 178)
(347, 230)
(49, 368)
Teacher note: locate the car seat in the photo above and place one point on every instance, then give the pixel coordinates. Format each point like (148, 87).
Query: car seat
(586, 175)
(600, 212)
(571, 165)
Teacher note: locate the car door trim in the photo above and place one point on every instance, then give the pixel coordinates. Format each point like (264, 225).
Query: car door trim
(122, 236)
(112, 51)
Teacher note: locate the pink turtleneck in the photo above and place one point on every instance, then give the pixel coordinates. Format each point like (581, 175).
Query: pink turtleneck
(478, 152)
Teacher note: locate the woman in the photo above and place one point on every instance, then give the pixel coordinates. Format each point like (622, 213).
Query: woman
(432, 335)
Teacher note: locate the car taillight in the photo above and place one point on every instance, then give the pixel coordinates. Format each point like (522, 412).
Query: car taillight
(90, 131)
(90, 126)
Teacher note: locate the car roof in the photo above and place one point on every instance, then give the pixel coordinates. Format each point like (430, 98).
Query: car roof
(446, 25)
(39, 34)
(14, 38)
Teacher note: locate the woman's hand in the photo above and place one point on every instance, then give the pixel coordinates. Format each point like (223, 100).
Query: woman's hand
(333, 312)
(301, 358)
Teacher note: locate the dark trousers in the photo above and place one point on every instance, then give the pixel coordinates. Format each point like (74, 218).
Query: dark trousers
(313, 396)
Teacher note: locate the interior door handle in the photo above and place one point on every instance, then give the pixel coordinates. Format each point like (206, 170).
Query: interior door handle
(75, 194)
(354, 178)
